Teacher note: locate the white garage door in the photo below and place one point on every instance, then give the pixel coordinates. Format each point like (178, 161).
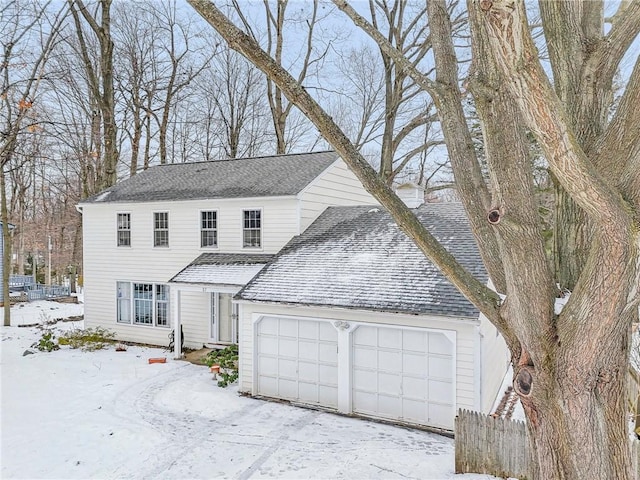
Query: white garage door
(298, 360)
(404, 375)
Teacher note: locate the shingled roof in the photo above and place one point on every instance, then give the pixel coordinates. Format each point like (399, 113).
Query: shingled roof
(279, 175)
(357, 257)
(222, 268)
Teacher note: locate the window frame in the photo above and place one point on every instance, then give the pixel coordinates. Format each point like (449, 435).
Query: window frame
(158, 304)
(203, 230)
(120, 230)
(156, 230)
(252, 229)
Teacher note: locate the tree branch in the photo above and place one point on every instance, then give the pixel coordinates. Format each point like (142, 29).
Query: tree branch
(515, 54)
(479, 294)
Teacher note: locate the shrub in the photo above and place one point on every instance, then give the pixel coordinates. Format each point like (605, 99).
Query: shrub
(47, 341)
(227, 358)
(89, 339)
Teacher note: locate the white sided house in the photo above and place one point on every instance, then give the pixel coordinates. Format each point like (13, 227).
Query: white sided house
(170, 246)
(351, 316)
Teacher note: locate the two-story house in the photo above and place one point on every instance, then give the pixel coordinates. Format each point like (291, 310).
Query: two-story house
(172, 245)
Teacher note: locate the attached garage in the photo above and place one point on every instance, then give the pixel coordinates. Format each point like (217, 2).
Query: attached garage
(297, 360)
(351, 316)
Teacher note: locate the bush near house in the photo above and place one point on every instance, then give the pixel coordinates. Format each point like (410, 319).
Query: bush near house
(227, 358)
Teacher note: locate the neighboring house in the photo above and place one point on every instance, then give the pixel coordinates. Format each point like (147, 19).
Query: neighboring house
(352, 317)
(171, 245)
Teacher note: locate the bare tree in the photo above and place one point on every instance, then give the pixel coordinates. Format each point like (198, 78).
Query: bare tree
(101, 82)
(570, 365)
(23, 25)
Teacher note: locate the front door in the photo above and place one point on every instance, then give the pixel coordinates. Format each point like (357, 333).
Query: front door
(223, 318)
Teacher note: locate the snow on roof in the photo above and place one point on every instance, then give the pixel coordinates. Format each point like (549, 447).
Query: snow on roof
(279, 175)
(222, 269)
(357, 257)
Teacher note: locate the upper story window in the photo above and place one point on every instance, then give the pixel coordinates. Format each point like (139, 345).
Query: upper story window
(252, 228)
(209, 229)
(161, 229)
(124, 229)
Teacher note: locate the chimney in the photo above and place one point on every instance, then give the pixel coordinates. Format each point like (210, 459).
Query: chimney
(411, 194)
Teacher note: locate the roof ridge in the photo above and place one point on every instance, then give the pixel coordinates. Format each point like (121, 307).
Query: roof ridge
(242, 158)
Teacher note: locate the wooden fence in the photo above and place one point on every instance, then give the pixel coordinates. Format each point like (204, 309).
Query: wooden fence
(495, 446)
(500, 447)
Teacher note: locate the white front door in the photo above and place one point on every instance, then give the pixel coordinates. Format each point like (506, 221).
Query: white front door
(223, 318)
(214, 317)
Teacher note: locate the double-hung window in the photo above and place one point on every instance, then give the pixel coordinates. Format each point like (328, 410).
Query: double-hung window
(124, 230)
(143, 304)
(252, 228)
(161, 229)
(209, 229)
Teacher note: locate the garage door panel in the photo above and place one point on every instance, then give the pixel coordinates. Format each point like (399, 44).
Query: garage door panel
(440, 415)
(308, 350)
(389, 338)
(415, 388)
(287, 368)
(288, 327)
(440, 391)
(365, 357)
(288, 388)
(328, 353)
(413, 364)
(415, 342)
(307, 392)
(288, 347)
(366, 380)
(389, 406)
(439, 344)
(390, 361)
(268, 345)
(328, 374)
(389, 384)
(327, 333)
(415, 410)
(367, 402)
(365, 336)
(308, 330)
(268, 385)
(268, 328)
(308, 372)
(268, 365)
(327, 395)
(440, 366)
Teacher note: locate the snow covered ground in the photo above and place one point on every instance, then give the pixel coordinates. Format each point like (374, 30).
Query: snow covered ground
(107, 414)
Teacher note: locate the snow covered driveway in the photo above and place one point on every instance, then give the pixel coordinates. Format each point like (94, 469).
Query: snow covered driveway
(107, 414)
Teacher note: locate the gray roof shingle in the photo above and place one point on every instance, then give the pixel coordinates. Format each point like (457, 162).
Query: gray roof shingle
(222, 268)
(357, 257)
(272, 176)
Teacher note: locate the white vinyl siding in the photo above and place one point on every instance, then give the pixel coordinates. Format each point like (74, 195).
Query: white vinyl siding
(105, 264)
(495, 358)
(336, 186)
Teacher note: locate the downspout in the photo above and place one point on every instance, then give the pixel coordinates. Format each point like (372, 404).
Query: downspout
(477, 378)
